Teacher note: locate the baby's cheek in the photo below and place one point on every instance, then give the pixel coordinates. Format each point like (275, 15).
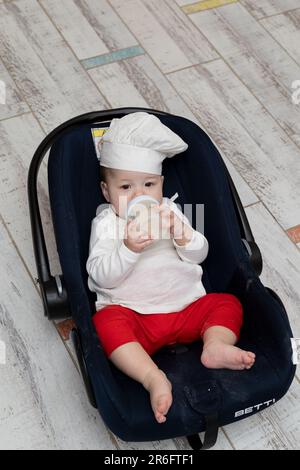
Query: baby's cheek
(123, 203)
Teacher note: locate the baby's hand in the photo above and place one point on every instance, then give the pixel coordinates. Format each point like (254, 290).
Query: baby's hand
(135, 239)
(172, 223)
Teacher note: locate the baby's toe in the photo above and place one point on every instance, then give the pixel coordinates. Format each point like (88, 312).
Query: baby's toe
(160, 418)
(162, 407)
(248, 359)
(160, 415)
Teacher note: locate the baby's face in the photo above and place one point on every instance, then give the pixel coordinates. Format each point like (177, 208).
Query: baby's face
(122, 186)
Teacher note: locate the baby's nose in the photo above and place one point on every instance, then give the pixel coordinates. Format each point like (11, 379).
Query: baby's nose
(138, 192)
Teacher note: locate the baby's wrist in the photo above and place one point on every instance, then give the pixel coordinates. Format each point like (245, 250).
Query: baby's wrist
(184, 236)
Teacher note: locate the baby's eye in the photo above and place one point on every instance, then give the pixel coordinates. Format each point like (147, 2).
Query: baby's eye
(149, 183)
(125, 186)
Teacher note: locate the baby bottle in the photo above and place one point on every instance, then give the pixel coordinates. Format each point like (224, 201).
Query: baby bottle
(142, 208)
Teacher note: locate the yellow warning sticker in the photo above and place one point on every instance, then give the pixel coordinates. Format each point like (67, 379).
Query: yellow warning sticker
(97, 133)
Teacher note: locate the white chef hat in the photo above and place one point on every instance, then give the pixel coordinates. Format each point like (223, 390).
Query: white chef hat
(138, 142)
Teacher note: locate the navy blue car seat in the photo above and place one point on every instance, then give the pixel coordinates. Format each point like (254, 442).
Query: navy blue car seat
(203, 399)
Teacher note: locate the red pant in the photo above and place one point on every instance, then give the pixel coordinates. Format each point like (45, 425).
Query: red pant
(117, 325)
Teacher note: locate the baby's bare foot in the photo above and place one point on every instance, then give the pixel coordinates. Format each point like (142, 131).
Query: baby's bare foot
(218, 355)
(160, 388)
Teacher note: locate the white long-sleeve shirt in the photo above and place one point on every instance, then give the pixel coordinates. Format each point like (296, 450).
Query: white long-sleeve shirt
(163, 278)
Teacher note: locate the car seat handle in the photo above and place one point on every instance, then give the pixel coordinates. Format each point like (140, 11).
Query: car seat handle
(254, 255)
(247, 237)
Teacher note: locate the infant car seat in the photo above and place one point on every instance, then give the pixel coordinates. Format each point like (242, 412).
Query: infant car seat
(203, 399)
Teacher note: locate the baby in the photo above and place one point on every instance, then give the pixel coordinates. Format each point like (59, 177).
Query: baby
(149, 291)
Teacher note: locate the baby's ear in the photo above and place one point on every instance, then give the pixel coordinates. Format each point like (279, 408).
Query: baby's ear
(103, 187)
